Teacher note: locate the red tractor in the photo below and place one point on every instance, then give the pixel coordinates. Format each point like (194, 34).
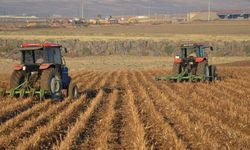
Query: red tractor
(191, 64)
(42, 72)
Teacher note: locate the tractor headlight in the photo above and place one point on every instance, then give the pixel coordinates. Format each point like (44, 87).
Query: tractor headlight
(191, 63)
(24, 68)
(177, 57)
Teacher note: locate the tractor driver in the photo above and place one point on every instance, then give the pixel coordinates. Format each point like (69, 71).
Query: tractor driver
(192, 53)
(39, 57)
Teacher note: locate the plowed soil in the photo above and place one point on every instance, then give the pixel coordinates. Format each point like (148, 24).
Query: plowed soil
(128, 109)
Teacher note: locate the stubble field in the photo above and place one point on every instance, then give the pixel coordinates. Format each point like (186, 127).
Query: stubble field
(128, 109)
(195, 31)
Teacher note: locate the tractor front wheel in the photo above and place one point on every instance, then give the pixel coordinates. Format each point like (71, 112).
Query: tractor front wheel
(176, 69)
(73, 92)
(17, 78)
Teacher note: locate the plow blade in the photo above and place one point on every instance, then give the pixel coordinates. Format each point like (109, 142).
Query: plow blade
(179, 78)
(21, 93)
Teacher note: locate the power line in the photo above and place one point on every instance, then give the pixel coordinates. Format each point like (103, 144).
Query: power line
(149, 8)
(209, 10)
(82, 8)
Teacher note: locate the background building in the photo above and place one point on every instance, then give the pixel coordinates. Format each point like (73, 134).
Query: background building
(219, 15)
(234, 14)
(202, 16)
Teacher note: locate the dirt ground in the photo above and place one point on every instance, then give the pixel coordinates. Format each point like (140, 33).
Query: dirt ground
(123, 107)
(118, 62)
(128, 109)
(212, 28)
(217, 30)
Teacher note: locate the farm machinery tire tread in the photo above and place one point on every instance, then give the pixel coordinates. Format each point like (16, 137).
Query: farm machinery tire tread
(71, 90)
(17, 78)
(176, 69)
(46, 77)
(201, 68)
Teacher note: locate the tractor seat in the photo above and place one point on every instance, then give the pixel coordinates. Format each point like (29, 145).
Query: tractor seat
(192, 55)
(39, 61)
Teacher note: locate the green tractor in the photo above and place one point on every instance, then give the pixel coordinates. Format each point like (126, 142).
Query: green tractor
(191, 64)
(42, 73)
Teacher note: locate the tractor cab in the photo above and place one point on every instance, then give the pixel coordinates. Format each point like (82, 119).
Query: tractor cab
(39, 56)
(192, 52)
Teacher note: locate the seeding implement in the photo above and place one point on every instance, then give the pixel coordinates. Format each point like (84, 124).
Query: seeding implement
(191, 64)
(42, 73)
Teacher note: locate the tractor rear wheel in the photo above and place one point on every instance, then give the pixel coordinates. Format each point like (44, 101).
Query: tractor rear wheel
(51, 81)
(176, 69)
(73, 92)
(17, 78)
(202, 69)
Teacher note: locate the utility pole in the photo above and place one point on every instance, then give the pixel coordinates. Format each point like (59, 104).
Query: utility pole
(209, 10)
(149, 8)
(82, 8)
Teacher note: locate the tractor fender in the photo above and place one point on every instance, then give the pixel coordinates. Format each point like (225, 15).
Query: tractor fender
(18, 67)
(199, 59)
(177, 61)
(45, 66)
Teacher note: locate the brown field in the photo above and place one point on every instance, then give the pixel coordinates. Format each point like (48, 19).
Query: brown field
(128, 109)
(123, 107)
(116, 62)
(214, 28)
(197, 31)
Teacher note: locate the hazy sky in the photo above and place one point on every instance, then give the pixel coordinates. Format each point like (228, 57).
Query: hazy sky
(114, 7)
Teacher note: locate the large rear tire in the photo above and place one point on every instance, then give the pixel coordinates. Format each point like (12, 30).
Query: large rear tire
(73, 92)
(176, 69)
(17, 78)
(51, 81)
(202, 69)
